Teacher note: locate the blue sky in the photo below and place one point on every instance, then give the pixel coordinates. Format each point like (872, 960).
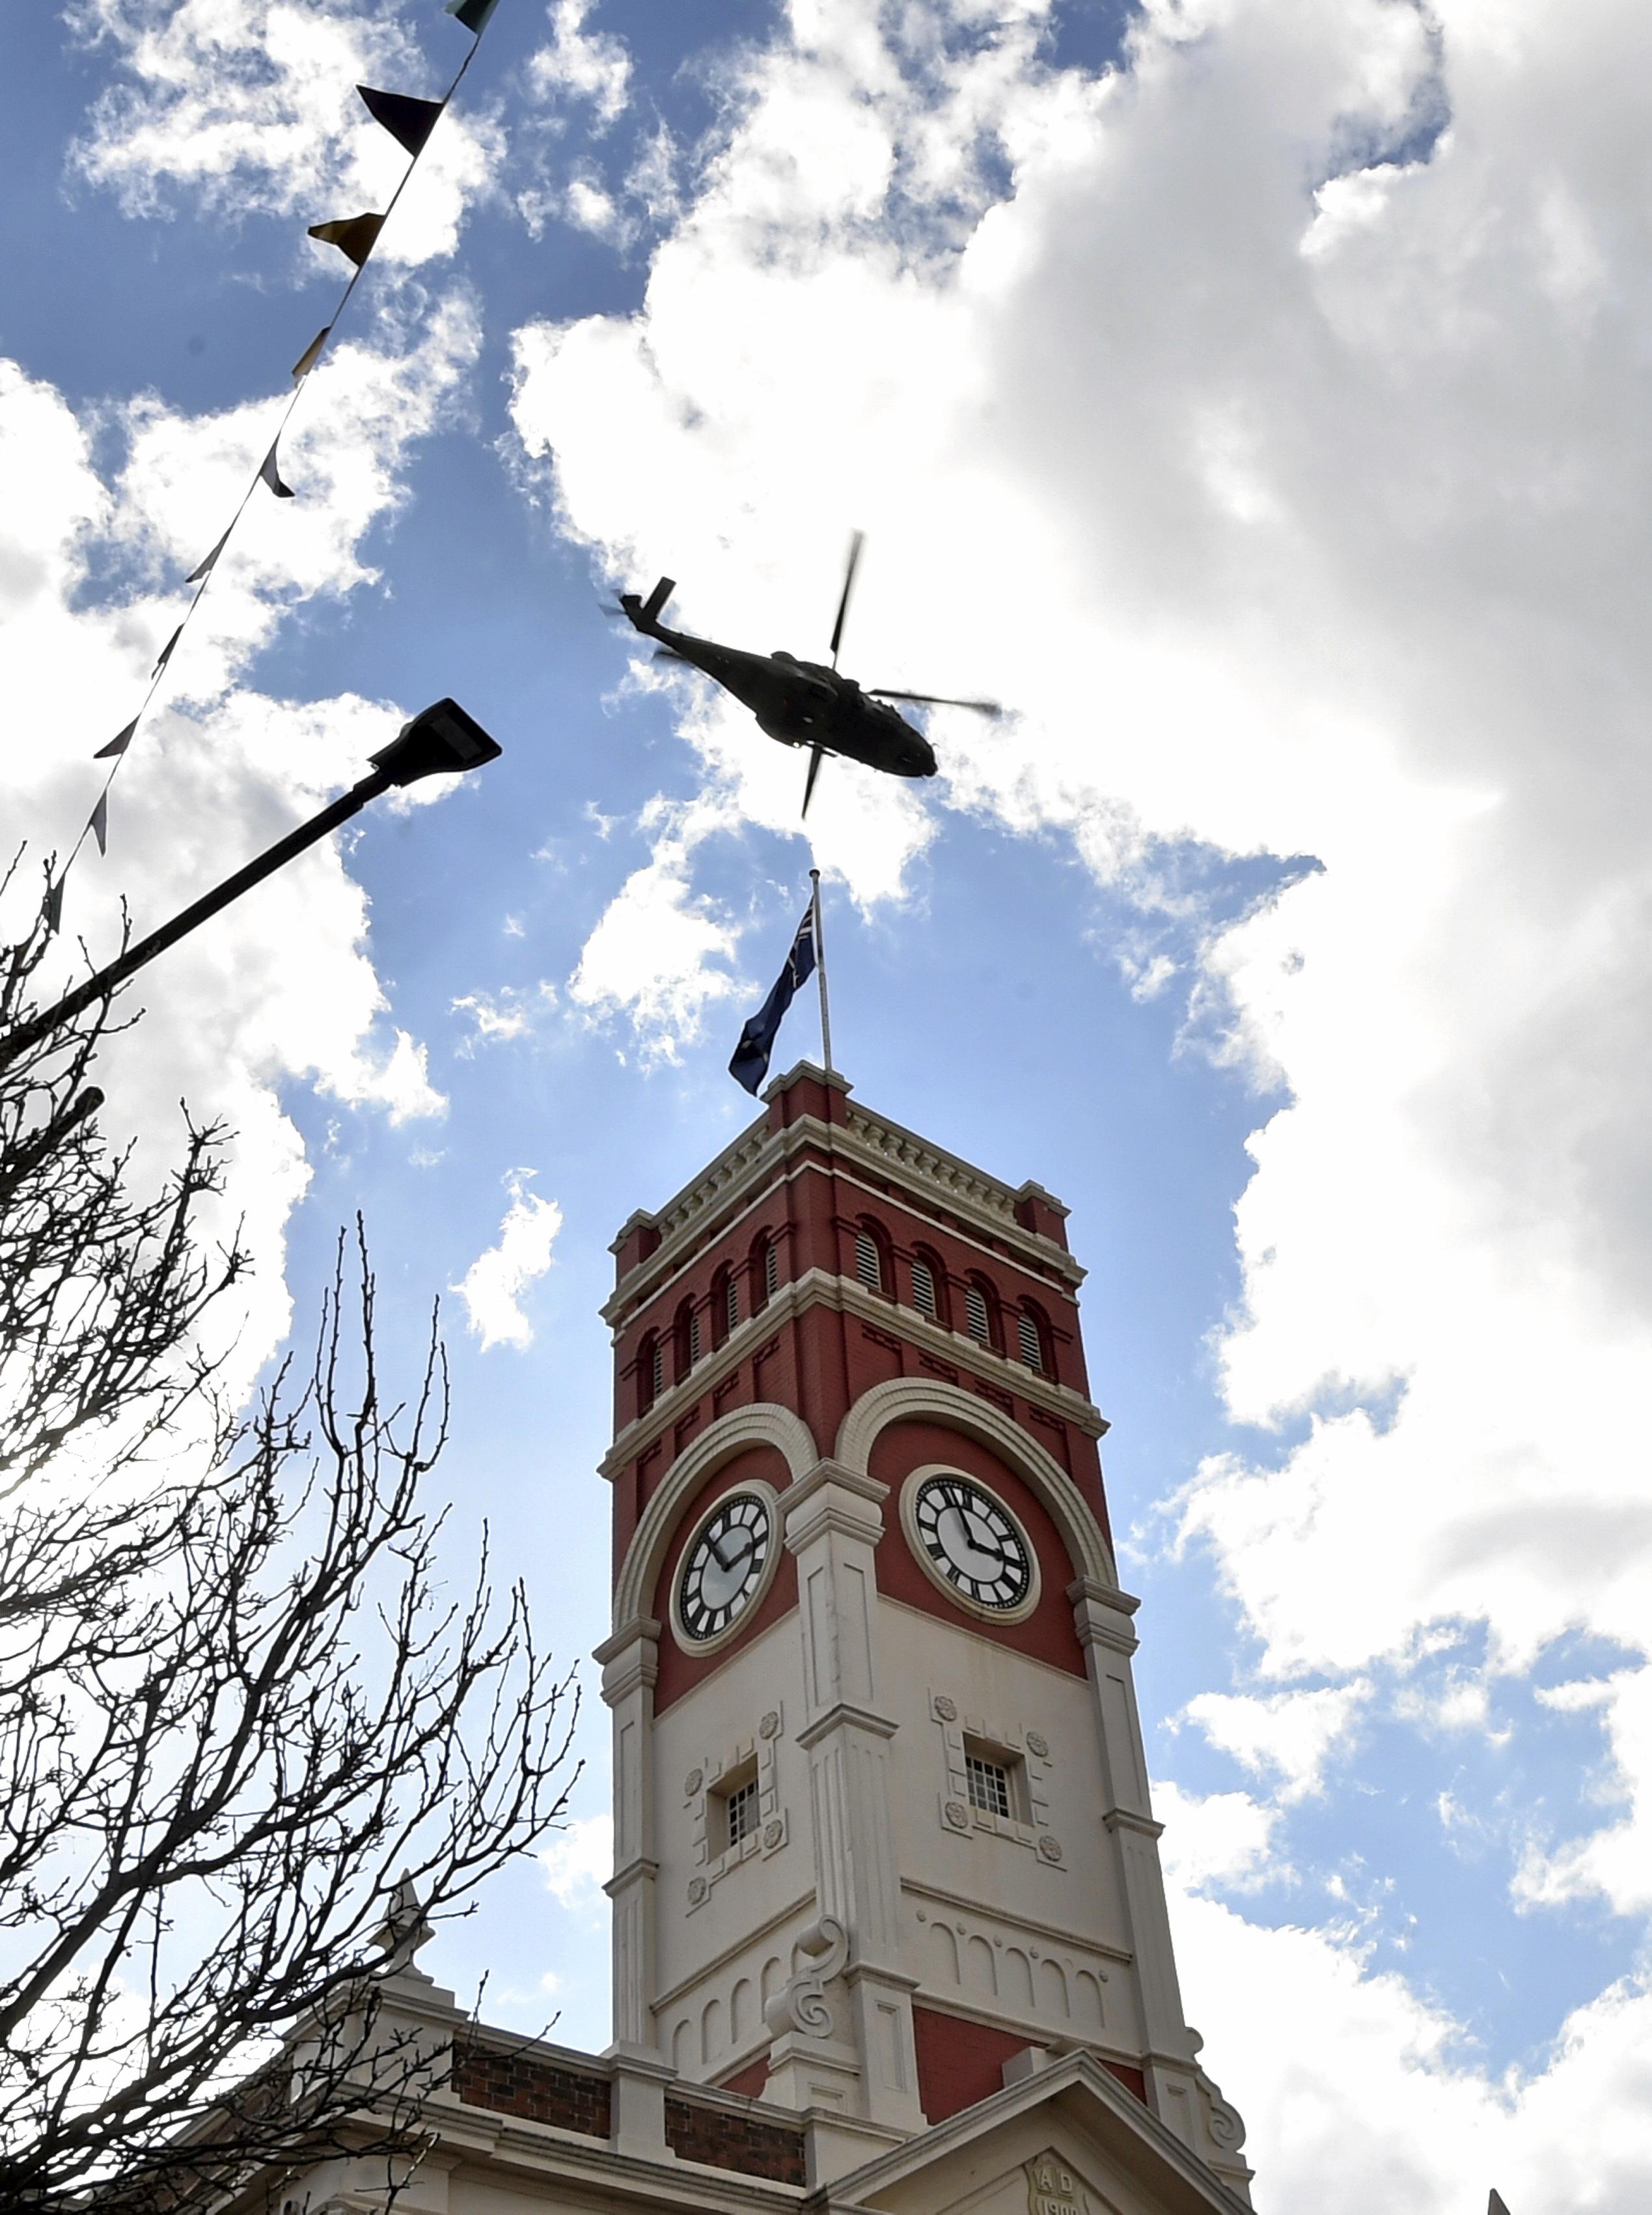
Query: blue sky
(1250, 392)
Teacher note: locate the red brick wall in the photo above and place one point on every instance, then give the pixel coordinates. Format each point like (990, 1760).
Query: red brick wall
(516, 2083)
(744, 2143)
(960, 2062)
(749, 2081)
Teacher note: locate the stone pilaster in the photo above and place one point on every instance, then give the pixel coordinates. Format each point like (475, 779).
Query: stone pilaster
(630, 1664)
(833, 1520)
(1102, 1619)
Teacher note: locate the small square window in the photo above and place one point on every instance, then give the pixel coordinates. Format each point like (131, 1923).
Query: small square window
(990, 1785)
(739, 1809)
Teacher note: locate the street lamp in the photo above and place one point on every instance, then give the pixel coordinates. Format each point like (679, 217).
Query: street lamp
(441, 740)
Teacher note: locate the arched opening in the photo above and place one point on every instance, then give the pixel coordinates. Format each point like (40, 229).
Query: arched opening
(981, 1314)
(723, 1312)
(685, 1334)
(1032, 1339)
(873, 1265)
(651, 1372)
(929, 1286)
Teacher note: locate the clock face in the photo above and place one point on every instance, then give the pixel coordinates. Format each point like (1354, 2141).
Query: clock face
(723, 1566)
(972, 1541)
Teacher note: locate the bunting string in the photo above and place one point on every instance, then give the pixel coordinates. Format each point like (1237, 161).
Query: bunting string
(410, 122)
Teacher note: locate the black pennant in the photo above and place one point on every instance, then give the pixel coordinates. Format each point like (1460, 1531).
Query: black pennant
(270, 475)
(119, 744)
(353, 234)
(100, 823)
(205, 569)
(409, 121)
(166, 651)
(54, 907)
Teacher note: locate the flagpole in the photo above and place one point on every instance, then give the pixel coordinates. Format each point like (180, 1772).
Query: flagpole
(820, 972)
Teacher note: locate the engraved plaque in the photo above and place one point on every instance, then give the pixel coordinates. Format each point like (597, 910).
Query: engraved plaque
(1053, 2189)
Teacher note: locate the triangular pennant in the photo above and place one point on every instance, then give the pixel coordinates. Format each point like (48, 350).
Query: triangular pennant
(166, 651)
(54, 907)
(100, 823)
(472, 13)
(409, 121)
(311, 353)
(353, 234)
(121, 740)
(270, 476)
(205, 569)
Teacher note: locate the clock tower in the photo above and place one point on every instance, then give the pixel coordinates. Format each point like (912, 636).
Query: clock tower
(883, 1842)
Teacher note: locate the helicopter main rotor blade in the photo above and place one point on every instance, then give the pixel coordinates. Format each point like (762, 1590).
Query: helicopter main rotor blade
(855, 543)
(817, 754)
(935, 700)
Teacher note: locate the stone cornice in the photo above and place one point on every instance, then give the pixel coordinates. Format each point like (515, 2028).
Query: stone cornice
(748, 1167)
(848, 1296)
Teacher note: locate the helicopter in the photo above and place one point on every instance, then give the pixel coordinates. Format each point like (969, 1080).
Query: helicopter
(806, 703)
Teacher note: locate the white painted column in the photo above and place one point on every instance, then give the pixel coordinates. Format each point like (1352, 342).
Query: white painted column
(1101, 1617)
(833, 1520)
(630, 1664)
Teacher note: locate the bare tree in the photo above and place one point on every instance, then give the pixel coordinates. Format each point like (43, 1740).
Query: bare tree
(248, 1745)
(99, 1293)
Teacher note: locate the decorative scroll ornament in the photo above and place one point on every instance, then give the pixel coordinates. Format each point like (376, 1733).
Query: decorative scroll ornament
(801, 2004)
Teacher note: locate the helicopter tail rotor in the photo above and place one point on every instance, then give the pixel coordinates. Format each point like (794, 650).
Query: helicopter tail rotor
(856, 542)
(936, 700)
(816, 756)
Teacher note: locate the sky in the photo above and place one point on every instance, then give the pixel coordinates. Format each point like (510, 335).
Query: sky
(1253, 395)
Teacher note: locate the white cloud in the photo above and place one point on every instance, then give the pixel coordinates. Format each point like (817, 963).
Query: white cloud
(1291, 1736)
(1223, 1840)
(1319, 446)
(283, 983)
(496, 1018)
(492, 1286)
(581, 64)
(648, 957)
(578, 1862)
(252, 104)
(1355, 2093)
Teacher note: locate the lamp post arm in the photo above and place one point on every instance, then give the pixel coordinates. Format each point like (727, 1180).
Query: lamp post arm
(104, 981)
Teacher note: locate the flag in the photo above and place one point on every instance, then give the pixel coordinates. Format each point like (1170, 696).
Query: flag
(409, 121)
(750, 1064)
(353, 234)
(270, 475)
(472, 13)
(1495, 2206)
(311, 355)
(205, 569)
(119, 744)
(100, 823)
(54, 907)
(166, 651)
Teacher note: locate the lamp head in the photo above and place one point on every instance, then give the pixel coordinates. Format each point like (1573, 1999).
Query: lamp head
(440, 741)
